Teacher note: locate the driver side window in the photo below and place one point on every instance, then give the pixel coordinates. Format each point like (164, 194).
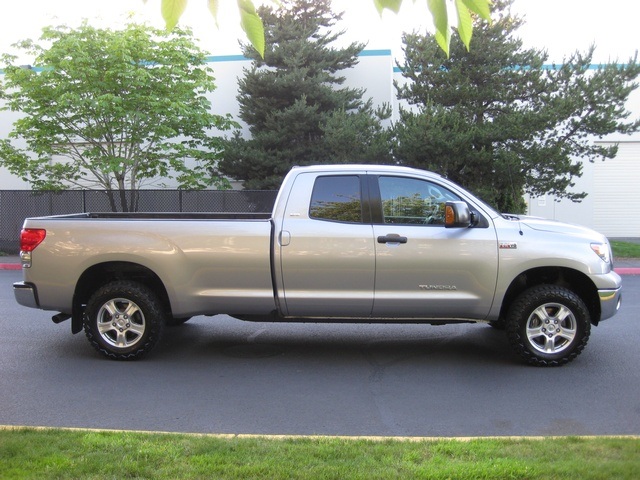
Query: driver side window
(410, 201)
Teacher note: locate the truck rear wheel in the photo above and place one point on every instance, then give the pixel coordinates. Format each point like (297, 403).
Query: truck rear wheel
(548, 325)
(124, 320)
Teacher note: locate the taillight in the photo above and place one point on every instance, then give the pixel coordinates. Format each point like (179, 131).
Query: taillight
(30, 238)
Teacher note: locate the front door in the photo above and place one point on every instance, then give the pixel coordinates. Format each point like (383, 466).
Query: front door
(424, 270)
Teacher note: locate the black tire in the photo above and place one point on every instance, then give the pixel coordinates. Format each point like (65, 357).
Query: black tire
(124, 320)
(498, 324)
(533, 313)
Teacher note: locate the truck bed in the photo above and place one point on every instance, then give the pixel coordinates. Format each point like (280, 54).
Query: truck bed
(210, 262)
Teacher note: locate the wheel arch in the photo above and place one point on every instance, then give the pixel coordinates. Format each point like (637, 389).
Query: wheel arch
(569, 278)
(100, 274)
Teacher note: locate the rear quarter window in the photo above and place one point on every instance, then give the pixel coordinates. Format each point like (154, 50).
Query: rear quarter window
(337, 198)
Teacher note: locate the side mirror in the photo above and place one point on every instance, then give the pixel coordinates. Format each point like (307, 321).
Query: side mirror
(457, 215)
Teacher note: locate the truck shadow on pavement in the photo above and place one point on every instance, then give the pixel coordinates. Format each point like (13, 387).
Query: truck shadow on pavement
(233, 339)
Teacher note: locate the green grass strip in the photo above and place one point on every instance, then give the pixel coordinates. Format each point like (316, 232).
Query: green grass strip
(27, 453)
(625, 249)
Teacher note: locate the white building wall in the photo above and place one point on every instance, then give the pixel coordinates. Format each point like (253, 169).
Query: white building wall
(563, 210)
(616, 186)
(613, 188)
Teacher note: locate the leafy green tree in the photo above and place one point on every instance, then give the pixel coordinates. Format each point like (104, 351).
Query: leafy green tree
(112, 110)
(252, 23)
(293, 102)
(499, 121)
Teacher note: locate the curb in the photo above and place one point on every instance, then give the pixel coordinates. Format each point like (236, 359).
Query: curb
(370, 438)
(627, 271)
(10, 266)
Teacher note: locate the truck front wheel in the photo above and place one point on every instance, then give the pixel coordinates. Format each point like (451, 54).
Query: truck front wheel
(124, 320)
(548, 325)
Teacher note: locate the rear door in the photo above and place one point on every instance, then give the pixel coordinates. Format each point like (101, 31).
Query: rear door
(424, 270)
(327, 252)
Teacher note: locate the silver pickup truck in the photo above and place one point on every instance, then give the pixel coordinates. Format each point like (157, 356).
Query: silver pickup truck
(347, 243)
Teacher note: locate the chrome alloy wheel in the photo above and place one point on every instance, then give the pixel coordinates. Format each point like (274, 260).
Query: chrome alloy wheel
(121, 323)
(551, 328)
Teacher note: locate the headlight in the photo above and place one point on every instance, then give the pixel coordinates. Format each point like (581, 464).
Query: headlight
(603, 251)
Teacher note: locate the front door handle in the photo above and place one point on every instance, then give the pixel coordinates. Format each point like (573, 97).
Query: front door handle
(392, 238)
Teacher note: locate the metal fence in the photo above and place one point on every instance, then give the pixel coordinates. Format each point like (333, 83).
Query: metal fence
(16, 205)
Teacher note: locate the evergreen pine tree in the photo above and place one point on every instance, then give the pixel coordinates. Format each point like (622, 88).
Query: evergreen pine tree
(501, 122)
(294, 104)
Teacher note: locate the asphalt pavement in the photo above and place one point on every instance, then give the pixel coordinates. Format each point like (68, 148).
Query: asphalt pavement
(225, 376)
(221, 375)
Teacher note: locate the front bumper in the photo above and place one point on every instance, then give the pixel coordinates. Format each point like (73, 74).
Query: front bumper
(610, 301)
(26, 294)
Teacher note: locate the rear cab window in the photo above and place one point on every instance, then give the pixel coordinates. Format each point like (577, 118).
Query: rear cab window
(337, 198)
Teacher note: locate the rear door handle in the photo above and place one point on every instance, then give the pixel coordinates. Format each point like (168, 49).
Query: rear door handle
(392, 238)
(285, 238)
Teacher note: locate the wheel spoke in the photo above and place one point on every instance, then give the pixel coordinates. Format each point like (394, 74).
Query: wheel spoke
(137, 328)
(567, 333)
(562, 314)
(549, 344)
(541, 313)
(105, 327)
(121, 339)
(534, 332)
(131, 310)
(111, 308)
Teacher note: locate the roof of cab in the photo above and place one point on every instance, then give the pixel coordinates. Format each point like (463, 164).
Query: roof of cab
(346, 167)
